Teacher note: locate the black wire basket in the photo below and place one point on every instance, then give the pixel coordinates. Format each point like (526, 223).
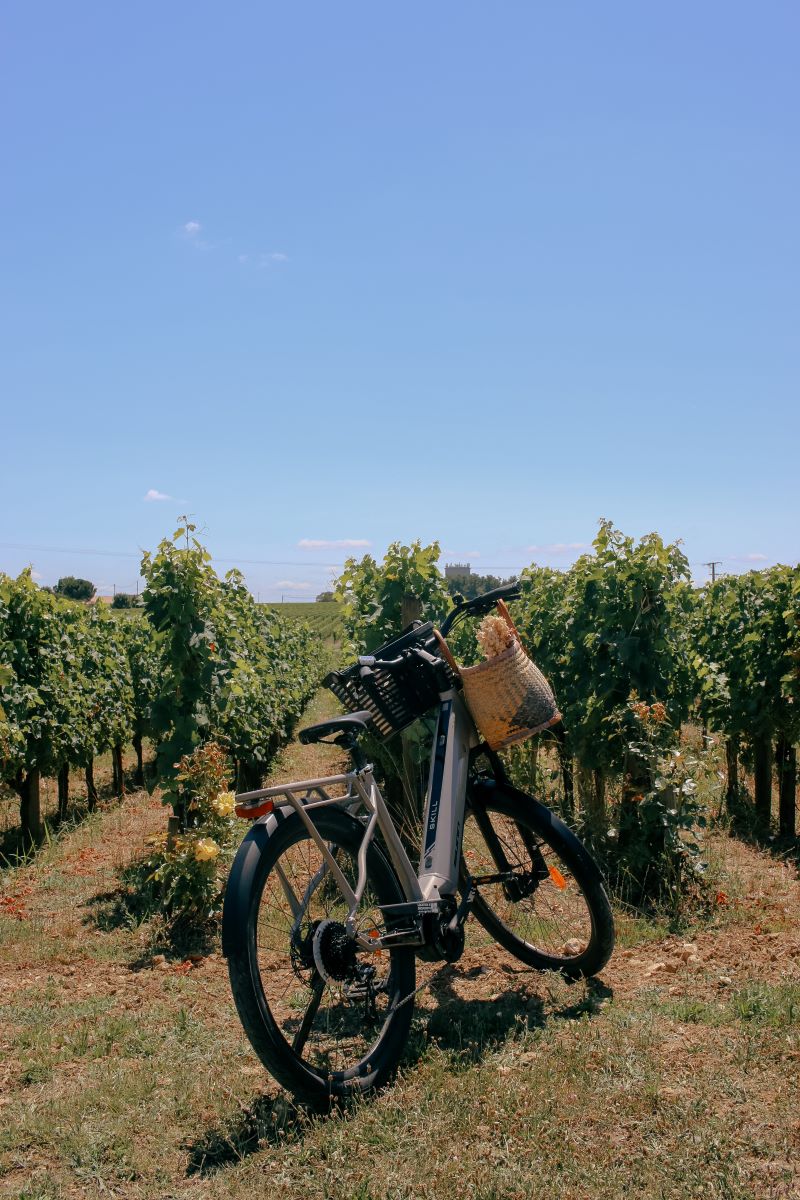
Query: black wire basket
(397, 698)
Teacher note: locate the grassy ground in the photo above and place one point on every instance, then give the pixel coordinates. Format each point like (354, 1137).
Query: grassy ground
(125, 1073)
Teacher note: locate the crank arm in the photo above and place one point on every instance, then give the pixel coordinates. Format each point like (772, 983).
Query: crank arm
(464, 908)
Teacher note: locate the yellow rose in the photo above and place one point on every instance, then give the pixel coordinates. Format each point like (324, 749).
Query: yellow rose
(223, 804)
(205, 849)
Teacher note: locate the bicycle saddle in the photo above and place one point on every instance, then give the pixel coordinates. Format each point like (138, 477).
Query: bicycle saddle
(351, 723)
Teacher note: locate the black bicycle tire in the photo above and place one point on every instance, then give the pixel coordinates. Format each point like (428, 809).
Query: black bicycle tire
(555, 834)
(309, 1085)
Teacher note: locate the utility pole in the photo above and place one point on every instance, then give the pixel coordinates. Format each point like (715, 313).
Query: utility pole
(713, 566)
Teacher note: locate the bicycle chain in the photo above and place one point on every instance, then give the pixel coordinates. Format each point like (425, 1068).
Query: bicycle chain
(410, 996)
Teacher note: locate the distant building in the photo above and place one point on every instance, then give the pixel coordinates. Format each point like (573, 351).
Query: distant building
(457, 571)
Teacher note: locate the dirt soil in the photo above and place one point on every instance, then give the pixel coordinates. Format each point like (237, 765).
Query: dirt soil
(124, 1071)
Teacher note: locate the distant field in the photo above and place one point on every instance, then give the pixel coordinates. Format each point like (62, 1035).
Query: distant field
(324, 616)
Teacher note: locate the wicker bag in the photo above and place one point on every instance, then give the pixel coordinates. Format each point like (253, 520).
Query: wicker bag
(508, 696)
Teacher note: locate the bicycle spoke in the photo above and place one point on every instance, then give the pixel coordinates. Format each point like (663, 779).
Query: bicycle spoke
(329, 1028)
(522, 890)
(301, 1036)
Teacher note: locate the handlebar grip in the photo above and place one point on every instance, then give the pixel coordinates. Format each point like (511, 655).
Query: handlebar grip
(509, 591)
(369, 663)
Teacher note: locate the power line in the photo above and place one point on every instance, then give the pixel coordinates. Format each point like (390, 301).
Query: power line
(259, 562)
(481, 567)
(252, 562)
(67, 550)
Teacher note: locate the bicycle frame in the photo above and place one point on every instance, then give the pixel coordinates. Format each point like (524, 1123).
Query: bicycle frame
(436, 879)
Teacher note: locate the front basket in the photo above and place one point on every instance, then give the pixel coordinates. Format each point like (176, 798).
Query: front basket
(509, 698)
(394, 699)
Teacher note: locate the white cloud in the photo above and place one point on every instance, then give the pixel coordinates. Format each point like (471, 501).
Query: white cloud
(242, 258)
(293, 585)
(748, 557)
(36, 575)
(275, 256)
(192, 228)
(154, 494)
(337, 544)
(559, 548)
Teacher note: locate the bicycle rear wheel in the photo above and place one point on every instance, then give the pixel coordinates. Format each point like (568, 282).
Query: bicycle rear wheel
(539, 892)
(324, 1016)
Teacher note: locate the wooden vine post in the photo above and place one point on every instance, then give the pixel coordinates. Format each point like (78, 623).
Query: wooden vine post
(30, 807)
(786, 765)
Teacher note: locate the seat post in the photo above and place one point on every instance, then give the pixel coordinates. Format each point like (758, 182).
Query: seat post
(349, 742)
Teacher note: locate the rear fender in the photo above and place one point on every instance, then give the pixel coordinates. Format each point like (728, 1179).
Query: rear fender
(240, 881)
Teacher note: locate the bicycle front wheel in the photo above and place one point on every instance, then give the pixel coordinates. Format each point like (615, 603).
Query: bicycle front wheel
(327, 1018)
(539, 892)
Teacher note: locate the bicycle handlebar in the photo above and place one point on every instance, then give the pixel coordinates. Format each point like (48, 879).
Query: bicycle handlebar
(391, 664)
(481, 604)
(383, 664)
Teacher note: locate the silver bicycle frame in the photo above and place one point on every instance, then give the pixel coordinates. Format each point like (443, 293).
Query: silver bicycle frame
(443, 823)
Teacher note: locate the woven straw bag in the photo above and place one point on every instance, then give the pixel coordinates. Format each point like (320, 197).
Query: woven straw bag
(508, 696)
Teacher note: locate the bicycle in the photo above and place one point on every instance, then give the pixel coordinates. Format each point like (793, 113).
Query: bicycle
(323, 919)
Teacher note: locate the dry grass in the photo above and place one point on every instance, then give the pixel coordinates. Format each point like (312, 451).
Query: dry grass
(673, 1077)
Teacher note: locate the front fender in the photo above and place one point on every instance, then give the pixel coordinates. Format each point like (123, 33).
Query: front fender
(486, 790)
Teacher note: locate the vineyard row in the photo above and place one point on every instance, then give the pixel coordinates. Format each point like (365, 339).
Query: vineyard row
(205, 662)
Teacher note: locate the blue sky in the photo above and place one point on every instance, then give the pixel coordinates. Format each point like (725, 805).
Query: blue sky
(351, 273)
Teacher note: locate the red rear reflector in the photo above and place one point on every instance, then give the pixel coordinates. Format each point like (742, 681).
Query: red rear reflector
(252, 810)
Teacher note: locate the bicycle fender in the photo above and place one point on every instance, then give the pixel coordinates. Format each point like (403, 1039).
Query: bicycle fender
(240, 880)
(485, 789)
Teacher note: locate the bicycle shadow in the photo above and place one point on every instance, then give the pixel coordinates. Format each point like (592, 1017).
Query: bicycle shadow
(469, 1028)
(465, 1029)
